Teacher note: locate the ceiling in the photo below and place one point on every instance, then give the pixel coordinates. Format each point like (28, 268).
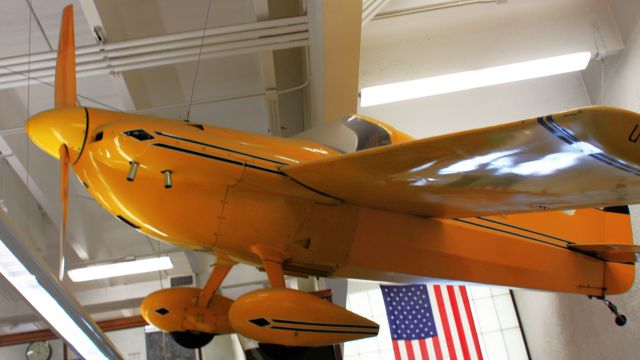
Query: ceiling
(302, 79)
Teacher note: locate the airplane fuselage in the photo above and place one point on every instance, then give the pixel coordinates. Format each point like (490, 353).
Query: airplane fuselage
(226, 190)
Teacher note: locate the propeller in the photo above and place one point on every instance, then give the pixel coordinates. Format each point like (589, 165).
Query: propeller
(61, 132)
(64, 198)
(65, 83)
(65, 96)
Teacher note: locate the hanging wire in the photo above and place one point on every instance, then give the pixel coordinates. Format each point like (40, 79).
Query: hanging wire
(601, 53)
(602, 81)
(195, 76)
(53, 86)
(156, 252)
(26, 192)
(33, 12)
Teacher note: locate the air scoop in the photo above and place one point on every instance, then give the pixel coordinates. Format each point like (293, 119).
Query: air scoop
(56, 127)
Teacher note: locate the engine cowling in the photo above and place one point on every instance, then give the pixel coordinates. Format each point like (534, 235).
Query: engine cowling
(293, 318)
(174, 310)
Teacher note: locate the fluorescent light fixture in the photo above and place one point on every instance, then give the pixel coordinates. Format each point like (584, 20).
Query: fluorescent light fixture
(120, 269)
(466, 80)
(27, 284)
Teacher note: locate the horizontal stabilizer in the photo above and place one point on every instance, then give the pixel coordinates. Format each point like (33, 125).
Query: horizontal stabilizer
(626, 254)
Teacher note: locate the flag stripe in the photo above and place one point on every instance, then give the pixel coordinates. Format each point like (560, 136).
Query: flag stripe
(423, 349)
(434, 322)
(472, 324)
(453, 300)
(396, 349)
(437, 349)
(409, 347)
(445, 322)
(452, 326)
(465, 324)
(430, 350)
(441, 339)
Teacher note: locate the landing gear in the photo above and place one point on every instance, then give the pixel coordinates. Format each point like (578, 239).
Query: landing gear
(620, 319)
(191, 339)
(200, 321)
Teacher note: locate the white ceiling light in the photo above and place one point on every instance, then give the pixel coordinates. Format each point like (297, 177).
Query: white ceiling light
(466, 80)
(48, 306)
(120, 269)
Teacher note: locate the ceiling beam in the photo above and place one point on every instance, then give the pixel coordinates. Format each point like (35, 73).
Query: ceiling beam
(116, 57)
(268, 71)
(370, 8)
(334, 34)
(46, 334)
(30, 276)
(95, 23)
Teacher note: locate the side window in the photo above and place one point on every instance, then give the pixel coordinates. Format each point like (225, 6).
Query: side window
(369, 135)
(139, 134)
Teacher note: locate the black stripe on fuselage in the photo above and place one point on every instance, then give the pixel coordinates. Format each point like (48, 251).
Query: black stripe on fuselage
(510, 233)
(523, 229)
(86, 134)
(171, 136)
(323, 324)
(212, 157)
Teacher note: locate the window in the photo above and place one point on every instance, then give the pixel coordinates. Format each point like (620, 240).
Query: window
(369, 134)
(139, 134)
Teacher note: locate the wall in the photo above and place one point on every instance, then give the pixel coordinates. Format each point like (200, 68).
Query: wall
(562, 326)
(557, 326)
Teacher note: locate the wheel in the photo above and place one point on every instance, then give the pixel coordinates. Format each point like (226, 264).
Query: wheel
(621, 320)
(191, 339)
(277, 352)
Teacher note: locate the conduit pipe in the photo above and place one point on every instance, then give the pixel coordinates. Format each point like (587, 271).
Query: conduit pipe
(92, 70)
(435, 6)
(370, 8)
(163, 50)
(246, 45)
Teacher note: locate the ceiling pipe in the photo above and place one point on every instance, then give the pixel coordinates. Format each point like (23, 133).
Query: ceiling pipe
(163, 50)
(435, 6)
(285, 25)
(370, 8)
(84, 72)
(248, 45)
(162, 46)
(158, 59)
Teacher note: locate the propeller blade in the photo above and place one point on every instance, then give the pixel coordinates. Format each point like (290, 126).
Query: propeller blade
(65, 84)
(64, 197)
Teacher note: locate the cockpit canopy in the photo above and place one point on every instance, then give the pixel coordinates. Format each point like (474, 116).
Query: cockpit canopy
(354, 133)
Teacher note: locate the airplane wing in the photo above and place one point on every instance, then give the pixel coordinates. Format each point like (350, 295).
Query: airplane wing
(588, 157)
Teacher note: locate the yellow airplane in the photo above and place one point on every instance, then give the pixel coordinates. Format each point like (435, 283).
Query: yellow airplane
(356, 199)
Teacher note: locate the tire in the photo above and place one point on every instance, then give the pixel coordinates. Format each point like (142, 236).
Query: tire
(277, 352)
(191, 339)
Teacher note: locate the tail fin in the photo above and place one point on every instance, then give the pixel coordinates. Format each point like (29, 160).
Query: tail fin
(601, 234)
(65, 85)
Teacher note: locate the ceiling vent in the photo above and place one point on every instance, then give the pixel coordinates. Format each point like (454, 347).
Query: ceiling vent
(182, 280)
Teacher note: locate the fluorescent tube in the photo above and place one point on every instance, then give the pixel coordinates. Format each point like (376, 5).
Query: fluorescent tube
(120, 269)
(27, 284)
(466, 80)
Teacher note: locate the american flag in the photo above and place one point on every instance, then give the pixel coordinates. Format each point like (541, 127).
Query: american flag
(431, 322)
